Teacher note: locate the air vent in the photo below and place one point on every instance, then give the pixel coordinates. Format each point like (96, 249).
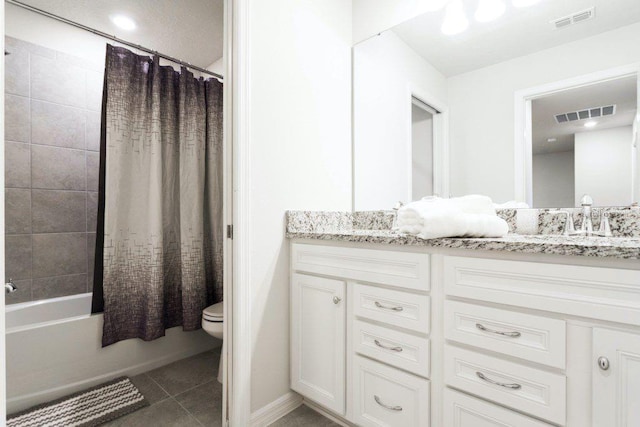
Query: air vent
(588, 113)
(574, 18)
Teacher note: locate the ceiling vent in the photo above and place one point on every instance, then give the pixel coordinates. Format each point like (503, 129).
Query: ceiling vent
(574, 18)
(589, 113)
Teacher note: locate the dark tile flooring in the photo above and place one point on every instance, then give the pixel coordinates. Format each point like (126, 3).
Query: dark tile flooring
(185, 393)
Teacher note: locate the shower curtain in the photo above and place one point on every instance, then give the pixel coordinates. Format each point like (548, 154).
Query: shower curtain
(159, 241)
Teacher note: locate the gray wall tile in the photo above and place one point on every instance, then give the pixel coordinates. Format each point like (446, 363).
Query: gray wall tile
(94, 90)
(93, 171)
(16, 118)
(91, 256)
(60, 286)
(54, 124)
(17, 165)
(16, 65)
(59, 211)
(58, 168)
(18, 257)
(57, 82)
(59, 254)
(92, 211)
(17, 205)
(14, 44)
(93, 130)
(23, 294)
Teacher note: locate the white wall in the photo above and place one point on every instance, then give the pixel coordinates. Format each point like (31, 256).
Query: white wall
(481, 106)
(553, 180)
(386, 71)
(421, 153)
(604, 166)
(371, 17)
(217, 66)
(300, 153)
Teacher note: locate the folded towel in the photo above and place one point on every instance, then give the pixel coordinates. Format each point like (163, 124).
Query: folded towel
(468, 216)
(511, 204)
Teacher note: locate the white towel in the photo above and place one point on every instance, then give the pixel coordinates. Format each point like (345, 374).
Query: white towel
(511, 204)
(468, 216)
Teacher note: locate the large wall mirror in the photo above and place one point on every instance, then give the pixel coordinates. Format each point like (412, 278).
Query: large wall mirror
(583, 140)
(434, 110)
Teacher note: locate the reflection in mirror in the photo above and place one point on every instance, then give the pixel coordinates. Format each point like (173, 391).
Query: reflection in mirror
(583, 143)
(398, 124)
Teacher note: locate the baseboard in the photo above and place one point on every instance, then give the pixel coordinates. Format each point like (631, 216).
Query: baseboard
(276, 409)
(25, 401)
(333, 417)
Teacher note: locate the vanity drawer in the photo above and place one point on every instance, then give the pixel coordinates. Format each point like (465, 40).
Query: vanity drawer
(384, 396)
(395, 268)
(593, 292)
(535, 338)
(397, 308)
(402, 350)
(533, 391)
(461, 410)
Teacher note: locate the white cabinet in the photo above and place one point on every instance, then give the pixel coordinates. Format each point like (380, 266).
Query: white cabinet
(616, 384)
(318, 331)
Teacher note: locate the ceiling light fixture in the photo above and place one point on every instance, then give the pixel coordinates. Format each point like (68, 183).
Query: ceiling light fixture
(488, 10)
(590, 124)
(455, 20)
(524, 3)
(123, 22)
(552, 140)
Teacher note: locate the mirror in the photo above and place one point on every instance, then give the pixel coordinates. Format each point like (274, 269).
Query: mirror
(583, 143)
(482, 142)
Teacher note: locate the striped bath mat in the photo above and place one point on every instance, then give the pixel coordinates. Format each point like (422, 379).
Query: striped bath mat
(91, 407)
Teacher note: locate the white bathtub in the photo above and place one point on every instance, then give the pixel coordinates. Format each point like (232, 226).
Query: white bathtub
(53, 348)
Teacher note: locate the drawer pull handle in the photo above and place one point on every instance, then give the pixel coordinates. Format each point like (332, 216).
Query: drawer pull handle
(505, 334)
(388, 308)
(393, 408)
(489, 380)
(398, 349)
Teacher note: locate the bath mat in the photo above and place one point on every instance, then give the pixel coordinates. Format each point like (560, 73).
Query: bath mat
(91, 407)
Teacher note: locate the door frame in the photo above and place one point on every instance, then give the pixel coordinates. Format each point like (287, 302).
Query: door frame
(3, 375)
(440, 141)
(237, 82)
(523, 158)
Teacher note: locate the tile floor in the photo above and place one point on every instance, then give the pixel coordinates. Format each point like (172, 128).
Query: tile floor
(185, 393)
(304, 416)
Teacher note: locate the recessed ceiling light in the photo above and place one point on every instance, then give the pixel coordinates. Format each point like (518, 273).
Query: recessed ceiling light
(488, 10)
(123, 22)
(455, 20)
(524, 3)
(552, 140)
(590, 124)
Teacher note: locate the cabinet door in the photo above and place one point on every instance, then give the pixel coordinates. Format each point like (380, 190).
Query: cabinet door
(616, 388)
(318, 331)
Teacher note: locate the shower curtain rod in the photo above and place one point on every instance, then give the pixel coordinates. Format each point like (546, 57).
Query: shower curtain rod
(113, 38)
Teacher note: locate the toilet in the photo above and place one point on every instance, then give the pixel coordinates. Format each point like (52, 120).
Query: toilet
(213, 324)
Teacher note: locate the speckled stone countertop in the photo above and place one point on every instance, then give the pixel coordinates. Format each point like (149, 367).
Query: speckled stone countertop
(347, 227)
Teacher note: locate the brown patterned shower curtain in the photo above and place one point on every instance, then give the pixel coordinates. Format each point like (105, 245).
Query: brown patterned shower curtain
(160, 207)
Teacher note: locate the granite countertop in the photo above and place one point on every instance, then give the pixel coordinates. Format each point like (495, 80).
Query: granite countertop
(337, 226)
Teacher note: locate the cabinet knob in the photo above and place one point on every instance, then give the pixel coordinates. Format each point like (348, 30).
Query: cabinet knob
(603, 363)
(336, 300)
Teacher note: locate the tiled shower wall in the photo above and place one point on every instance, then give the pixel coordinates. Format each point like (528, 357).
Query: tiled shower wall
(52, 134)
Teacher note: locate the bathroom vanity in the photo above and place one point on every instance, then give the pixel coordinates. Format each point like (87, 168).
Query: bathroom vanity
(522, 331)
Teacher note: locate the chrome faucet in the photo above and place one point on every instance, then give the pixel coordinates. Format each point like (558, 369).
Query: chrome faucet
(9, 287)
(586, 228)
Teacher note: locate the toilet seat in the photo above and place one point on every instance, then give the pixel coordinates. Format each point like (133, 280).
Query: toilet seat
(214, 313)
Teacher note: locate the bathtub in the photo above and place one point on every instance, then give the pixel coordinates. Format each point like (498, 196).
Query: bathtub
(53, 348)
